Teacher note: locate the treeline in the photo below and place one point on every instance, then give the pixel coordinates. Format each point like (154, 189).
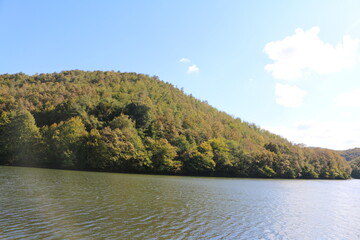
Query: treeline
(128, 122)
(355, 165)
(350, 154)
(353, 157)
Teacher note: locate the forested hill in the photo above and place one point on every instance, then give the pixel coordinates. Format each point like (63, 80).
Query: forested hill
(350, 154)
(353, 157)
(128, 122)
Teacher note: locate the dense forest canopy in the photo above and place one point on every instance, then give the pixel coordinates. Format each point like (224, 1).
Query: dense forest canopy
(128, 122)
(353, 157)
(350, 154)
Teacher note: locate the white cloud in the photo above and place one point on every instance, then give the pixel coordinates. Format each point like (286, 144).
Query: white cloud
(326, 134)
(193, 68)
(289, 96)
(306, 51)
(349, 99)
(184, 60)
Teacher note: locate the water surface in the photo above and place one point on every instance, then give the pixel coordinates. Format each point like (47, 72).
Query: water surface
(58, 204)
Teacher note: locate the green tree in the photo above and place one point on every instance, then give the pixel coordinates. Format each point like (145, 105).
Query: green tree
(162, 156)
(140, 113)
(22, 139)
(94, 153)
(63, 142)
(355, 165)
(4, 121)
(125, 149)
(200, 160)
(222, 156)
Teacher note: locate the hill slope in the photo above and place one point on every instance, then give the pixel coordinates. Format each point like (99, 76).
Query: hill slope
(353, 157)
(130, 122)
(350, 154)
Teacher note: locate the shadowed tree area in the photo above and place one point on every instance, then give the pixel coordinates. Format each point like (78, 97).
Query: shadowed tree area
(128, 122)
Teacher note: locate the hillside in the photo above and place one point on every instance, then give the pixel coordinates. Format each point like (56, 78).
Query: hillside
(350, 154)
(128, 122)
(353, 157)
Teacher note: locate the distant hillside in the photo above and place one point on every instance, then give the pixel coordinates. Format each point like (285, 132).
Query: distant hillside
(355, 165)
(353, 157)
(350, 154)
(128, 122)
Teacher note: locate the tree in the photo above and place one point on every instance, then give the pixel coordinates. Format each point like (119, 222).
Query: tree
(162, 156)
(355, 165)
(94, 153)
(22, 139)
(140, 113)
(272, 147)
(122, 122)
(4, 121)
(222, 155)
(200, 161)
(125, 149)
(63, 142)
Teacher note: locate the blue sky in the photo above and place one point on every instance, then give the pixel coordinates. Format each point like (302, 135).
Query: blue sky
(292, 67)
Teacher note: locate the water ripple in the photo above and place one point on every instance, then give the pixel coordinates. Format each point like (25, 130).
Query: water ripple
(52, 204)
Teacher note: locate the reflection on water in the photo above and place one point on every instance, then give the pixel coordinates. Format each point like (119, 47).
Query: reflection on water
(57, 204)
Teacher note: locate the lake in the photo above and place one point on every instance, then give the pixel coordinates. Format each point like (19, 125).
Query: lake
(59, 204)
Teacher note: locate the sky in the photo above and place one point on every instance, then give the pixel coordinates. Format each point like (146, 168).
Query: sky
(291, 67)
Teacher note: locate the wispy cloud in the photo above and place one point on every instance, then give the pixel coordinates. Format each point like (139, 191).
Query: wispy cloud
(289, 96)
(306, 51)
(193, 68)
(184, 60)
(326, 134)
(349, 99)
